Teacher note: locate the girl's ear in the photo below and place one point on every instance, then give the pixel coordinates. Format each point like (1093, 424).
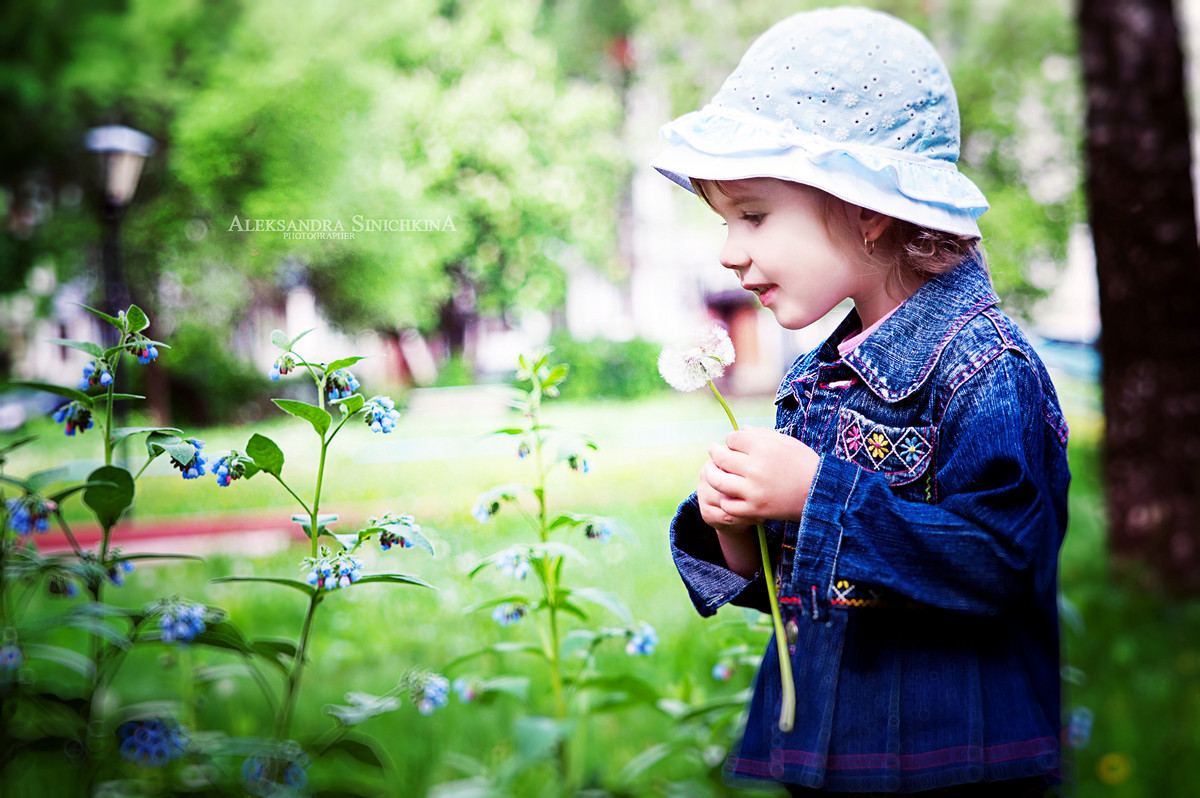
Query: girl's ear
(870, 224)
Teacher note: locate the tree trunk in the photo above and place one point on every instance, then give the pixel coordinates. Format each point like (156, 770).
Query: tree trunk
(1142, 214)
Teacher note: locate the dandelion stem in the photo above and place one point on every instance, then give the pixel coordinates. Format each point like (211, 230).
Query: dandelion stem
(787, 709)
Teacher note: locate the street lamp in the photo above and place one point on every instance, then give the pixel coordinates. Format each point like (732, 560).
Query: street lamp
(122, 152)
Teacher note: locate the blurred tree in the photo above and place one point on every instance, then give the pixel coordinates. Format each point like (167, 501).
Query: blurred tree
(1142, 210)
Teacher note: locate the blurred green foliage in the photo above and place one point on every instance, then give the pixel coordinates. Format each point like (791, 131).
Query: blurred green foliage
(602, 369)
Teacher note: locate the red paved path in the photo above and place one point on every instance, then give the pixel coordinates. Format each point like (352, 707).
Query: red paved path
(128, 533)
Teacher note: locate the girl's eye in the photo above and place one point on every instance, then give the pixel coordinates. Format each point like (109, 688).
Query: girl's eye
(754, 218)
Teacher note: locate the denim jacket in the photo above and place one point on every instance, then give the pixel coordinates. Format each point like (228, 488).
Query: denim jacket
(919, 592)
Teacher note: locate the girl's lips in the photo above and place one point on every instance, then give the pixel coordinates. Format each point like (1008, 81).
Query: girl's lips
(765, 293)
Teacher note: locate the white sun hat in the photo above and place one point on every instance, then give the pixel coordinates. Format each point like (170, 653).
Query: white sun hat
(847, 100)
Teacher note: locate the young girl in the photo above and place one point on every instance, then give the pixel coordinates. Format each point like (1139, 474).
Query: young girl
(914, 488)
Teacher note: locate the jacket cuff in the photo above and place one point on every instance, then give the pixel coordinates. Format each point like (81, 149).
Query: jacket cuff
(820, 538)
(697, 554)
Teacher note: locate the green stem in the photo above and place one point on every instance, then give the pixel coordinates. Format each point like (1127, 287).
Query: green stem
(315, 527)
(303, 503)
(293, 682)
(787, 709)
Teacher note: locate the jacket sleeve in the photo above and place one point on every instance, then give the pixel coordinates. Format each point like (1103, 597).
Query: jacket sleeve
(697, 555)
(998, 518)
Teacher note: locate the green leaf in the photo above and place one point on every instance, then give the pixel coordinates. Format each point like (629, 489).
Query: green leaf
(223, 635)
(97, 626)
(292, 342)
(605, 599)
(60, 390)
(117, 397)
(361, 749)
(181, 451)
(643, 762)
(322, 520)
(395, 579)
(265, 453)
(279, 339)
(342, 363)
(537, 738)
(318, 417)
(303, 587)
(351, 404)
(121, 433)
(509, 431)
(105, 317)
(66, 657)
(362, 706)
(91, 348)
(17, 444)
(515, 686)
(109, 495)
(136, 318)
(577, 640)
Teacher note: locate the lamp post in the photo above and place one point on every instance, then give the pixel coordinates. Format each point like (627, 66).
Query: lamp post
(122, 152)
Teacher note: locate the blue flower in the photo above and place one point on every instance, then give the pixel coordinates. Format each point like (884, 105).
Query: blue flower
(117, 571)
(274, 776)
(341, 384)
(643, 642)
(152, 743)
(598, 529)
(195, 467)
(11, 657)
(465, 689)
(508, 613)
(229, 468)
(331, 571)
(435, 693)
(181, 620)
(577, 463)
(483, 511)
(381, 414)
(388, 538)
(722, 672)
(146, 353)
(513, 563)
(95, 373)
(75, 416)
(30, 513)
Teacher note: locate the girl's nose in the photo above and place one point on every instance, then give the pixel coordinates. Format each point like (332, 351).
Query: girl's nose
(733, 256)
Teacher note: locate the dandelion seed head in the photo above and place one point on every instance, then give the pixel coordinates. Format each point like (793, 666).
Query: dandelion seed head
(691, 369)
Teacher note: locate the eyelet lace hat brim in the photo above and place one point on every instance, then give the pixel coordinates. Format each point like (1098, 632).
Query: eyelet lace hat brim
(847, 100)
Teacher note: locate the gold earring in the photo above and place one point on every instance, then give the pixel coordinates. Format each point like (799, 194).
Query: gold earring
(868, 245)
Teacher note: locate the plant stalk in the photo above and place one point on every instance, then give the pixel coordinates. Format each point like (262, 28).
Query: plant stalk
(787, 709)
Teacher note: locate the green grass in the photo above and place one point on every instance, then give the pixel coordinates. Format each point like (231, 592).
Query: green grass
(1135, 655)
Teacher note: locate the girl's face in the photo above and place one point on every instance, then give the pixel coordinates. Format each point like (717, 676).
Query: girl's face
(782, 250)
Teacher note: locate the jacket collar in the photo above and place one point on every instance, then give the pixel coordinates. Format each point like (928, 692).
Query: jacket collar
(898, 358)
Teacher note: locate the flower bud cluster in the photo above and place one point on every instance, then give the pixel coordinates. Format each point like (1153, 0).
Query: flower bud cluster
(75, 416)
(513, 562)
(30, 513)
(180, 620)
(95, 372)
(117, 571)
(228, 469)
(433, 694)
(381, 414)
(508, 613)
(282, 366)
(331, 571)
(642, 642)
(152, 743)
(275, 775)
(388, 538)
(598, 529)
(195, 468)
(466, 689)
(11, 656)
(341, 384)
(577, 463)
(143, 350)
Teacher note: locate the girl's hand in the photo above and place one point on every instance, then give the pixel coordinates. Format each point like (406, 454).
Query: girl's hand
(758, 474)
